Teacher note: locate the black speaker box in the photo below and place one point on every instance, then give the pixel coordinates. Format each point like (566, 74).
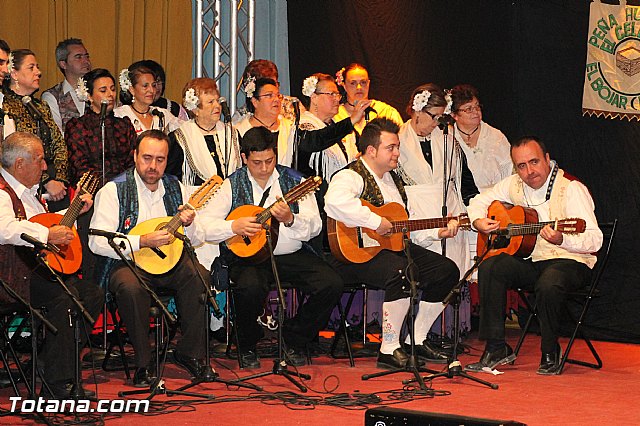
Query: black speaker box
(384, 416)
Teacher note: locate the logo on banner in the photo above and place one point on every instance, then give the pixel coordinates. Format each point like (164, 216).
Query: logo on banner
(612, 73)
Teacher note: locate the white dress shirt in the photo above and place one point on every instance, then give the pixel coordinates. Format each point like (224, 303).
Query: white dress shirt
(150, 206)
(307, 223)
(55, 108)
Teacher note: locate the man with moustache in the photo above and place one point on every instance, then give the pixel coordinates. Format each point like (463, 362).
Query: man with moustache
(559, 263)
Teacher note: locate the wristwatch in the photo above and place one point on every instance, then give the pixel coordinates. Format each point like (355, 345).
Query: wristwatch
(290, 224)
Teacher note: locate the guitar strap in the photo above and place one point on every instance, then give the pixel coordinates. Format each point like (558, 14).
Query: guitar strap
(265, 195)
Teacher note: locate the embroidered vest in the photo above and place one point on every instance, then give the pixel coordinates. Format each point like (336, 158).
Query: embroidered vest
(17, 262)
(128, 212)
(242, 193)
(65, 102)
(371, 191)
(544, 250)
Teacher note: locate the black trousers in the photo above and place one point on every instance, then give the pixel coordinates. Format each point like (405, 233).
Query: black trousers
(303, 270)
(550, 280)
(57, 353)
(436, 274)
(134, 303)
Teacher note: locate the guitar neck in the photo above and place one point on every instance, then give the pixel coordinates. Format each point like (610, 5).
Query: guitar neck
(528, 228)
(173, 224)
(73, 211)
(296, 193)
(419, 224)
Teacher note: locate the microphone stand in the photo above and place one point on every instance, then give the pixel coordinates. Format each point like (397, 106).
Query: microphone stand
(105, 311)
(412, 365)
(454, 368)
(210, 375)
(279, 364)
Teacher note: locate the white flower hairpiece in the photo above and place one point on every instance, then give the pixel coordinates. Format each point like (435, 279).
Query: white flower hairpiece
(250, 86)
(124, 80)
(190, 101)
(309, 85)
(340, 77)
(447, 97)
(421, 100)
(10, 64)
(81, 90)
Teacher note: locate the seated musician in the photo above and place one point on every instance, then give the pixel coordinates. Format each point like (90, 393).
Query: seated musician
(262, 182)
(140, 194)
(371, 178)
(22, 166)
(559, 263)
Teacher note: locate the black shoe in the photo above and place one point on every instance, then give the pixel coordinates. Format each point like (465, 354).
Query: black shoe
(142, 378)
(550, 363)
(398, 359)
(493, 359)
(65, 390)
(249, 360)
(196, 367)
(429, 352)
(295, 357)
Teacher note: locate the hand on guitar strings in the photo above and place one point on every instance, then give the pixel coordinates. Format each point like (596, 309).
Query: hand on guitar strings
(385, 227)
(187, 215)
(87, 202)
(282, 212)
(156, 238)
(60, 235)
(551, 235)
(486, 225)
(246, 226)
(450, 231)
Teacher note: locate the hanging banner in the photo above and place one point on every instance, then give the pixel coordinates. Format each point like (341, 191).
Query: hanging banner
(612, 74)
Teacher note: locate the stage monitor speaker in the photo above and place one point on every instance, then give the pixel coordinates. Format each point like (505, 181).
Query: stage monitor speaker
(383, 416)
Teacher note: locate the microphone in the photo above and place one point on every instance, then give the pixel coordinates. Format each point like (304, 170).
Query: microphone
(103, 110)
(28, 103)
(40, 245)
(106, 234)
(445, 120)
(368, 111)
(225, 109)
(160, 115)
(296, 108)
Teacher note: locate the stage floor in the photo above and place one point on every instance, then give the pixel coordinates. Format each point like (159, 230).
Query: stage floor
(577, 397)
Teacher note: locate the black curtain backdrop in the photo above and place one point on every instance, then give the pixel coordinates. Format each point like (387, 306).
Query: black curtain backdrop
(527, 58)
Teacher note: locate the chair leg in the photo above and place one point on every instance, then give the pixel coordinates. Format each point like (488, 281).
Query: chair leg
(578, 329)
(532, 315)
(232, 304)
(343, 330)
(117, 330)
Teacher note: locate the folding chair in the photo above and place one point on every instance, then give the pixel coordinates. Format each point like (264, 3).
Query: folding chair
(582, 297)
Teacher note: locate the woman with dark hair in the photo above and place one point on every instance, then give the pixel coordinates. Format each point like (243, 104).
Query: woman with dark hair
(485, 148)
(137, 93)
(84, 135)
(22, 83)
(264, 102)
(158, 99)
(354, 80)
(421, 166)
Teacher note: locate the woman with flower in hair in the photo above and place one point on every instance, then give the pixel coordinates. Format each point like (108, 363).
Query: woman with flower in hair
(354, 80)
(22, 82)
(421, 165)
(264, 102)
(84, 134)
(485, 149)
(203, 146)
(137, 93)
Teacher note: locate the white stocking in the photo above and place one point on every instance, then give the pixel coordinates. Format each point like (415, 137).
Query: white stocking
(393, 314)
(428, 313)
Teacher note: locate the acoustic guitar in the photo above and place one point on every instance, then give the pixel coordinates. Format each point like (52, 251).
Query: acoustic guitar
(255, 248)
(70, 259)
(519, 229)
(162, 259)
(360, 244)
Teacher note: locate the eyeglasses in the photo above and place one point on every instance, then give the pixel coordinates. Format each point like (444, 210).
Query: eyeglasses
(270, 96)
(334, 95)
(471, 109)
(355, 83)
(434, 117)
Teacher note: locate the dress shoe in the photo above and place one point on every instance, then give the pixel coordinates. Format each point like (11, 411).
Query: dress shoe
(249, 360)
(429, 352)
(398, 359)
(196, 367)
(493, 359)
(142, 378)
(64, 390)
(295, 357)
(550, 363)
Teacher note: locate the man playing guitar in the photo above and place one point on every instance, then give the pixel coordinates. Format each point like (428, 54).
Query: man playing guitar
(140, 194)
(558, 264)
(261, 182)
(371, 178)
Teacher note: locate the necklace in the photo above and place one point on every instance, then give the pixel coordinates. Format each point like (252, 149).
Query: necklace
(262, 122)
(202, 128)
(143, 114)
(468, 135)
